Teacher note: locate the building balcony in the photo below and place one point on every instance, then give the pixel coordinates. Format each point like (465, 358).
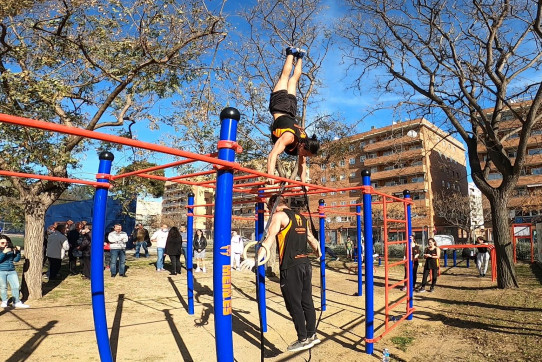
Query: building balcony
(396, 157)
(390, 143)
(405, 171)
(412, 187)
(513, 143)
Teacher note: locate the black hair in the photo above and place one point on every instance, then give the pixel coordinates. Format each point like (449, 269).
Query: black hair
(311, 144)
(173, 233)
(273, 199)
(9, 244)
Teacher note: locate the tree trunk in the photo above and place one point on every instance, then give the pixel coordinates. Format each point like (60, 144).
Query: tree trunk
(506, 271)
(33, 251)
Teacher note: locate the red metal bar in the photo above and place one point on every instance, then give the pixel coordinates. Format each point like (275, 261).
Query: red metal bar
(57, 179)
(193, 175)
(155, 168)
(48, 126)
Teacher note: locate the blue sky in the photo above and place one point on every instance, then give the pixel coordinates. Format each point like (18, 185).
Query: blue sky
(338, 99)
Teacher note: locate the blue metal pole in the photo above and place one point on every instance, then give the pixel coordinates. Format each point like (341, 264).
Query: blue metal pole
(445, 257)
(323, 258)
(229, 118)
(360, 256)
(189, 252)
(260, 225)
(406, 194)
(369, 277)
(455, 257)
(97, 261)
(468, 261)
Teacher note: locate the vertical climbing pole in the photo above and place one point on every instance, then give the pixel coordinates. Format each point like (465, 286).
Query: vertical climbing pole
(369, 277)
(189, 252)
(322, 216)
(97, 262)
(260, 210)
(410, 305)
(222, 237)
(360, 256)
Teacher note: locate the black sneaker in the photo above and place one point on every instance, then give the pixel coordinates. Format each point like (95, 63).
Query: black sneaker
(291, 51)
(300, 53)
(431, 290)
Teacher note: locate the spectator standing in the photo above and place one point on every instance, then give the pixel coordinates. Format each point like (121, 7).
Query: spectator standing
(9, 254)
(73, 239)
(432, 264)
(414, 254)
(185, 243)
(160, 238)
(482, 255)
(69, 226)
(200, 243)
(84, 248)
(349, 248)
(117, 242)
(141, 237)
(236, 250)
(57, 245)
(174, 241)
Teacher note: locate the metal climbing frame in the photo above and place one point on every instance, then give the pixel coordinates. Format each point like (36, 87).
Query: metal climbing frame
(385, 201)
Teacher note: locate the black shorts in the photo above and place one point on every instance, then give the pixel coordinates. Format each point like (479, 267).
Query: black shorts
(282, 102)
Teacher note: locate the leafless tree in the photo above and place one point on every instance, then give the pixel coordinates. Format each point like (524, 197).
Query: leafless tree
(464, 64)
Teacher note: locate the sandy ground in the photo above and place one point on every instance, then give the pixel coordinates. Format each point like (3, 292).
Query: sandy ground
(148, 320)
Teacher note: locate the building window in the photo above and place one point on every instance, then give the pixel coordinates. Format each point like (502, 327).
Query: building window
(342, 177)
(493, 176)
(323, 180)
(323, 194)
(536, 171)
(371, 155)
(333, 165)
(341, 163)
(362, 158)
(352, 174)
(512, 153)
(535, 151)
(343, 203)
(323, 167)
(332, 179)
(352, 202)
(388, 153)
(342, 192)
(388, 168)
(352, 161)
(332, 193)
(374, 169)
(417, 163)
(333, 204)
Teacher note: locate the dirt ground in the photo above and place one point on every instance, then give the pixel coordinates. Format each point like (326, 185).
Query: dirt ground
(465, 319)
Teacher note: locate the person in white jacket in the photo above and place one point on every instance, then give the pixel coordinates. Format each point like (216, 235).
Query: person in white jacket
(160, 237)
(117, 243)
(236, 250)
(57, 246)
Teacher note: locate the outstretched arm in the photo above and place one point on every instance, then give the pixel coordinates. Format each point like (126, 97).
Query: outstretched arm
(279, 147)
(302, 168)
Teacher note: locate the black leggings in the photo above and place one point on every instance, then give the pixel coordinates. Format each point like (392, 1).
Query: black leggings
(426, 274)
(296, 287)
(175, 264)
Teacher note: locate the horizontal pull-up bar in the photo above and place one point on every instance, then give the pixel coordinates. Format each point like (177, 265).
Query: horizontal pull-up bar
(57, 179)
(49, 126)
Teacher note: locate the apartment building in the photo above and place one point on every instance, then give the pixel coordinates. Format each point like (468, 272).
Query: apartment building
(414, 155)
(175, 200)
(525, 204)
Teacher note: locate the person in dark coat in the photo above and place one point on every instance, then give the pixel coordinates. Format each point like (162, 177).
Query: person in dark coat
(173, 249)
(84, 248)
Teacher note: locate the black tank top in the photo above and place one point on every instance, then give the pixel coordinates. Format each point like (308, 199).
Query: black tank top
(285, 124)
(292, 241)
(432, 263)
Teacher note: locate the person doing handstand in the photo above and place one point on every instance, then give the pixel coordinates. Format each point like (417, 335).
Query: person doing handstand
(286, 134)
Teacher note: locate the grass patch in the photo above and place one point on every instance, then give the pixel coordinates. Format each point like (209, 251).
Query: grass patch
(402, 342)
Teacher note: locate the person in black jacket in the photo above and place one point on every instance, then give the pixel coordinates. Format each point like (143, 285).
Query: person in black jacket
(73, 236)
(173, 249)
(200, 243)
(84, 248)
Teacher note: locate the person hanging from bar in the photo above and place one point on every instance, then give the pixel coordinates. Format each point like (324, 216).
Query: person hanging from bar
(286, 134)
(290, 230)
